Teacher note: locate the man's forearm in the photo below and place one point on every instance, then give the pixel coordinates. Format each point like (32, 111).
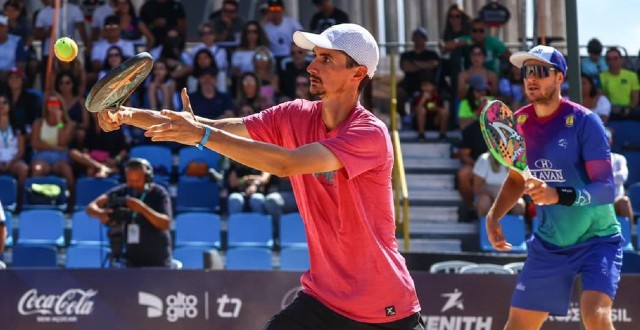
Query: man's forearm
(507, 197)
(157, 219)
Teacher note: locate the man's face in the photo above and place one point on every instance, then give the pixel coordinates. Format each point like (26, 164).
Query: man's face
(540, 89)
(207, 80)
(329, 73)
(418, 40)
(112, 31)
(614, 60)
(298, 55)
(478, 32)
(229, 11)
(135, 178)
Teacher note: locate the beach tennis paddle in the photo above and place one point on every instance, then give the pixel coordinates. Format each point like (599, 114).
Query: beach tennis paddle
(503, 137)
(110, 92)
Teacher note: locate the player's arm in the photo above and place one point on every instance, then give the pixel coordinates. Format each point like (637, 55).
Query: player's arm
(511, 190)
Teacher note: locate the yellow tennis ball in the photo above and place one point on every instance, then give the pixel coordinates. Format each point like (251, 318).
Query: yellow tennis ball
(65, 49)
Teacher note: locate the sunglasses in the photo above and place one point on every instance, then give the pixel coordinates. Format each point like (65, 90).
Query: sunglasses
(612, 58)
(455, 16)
(477, 30)
(5, 102)
(229, 11)
(114, 55)
(65, 82)
(205, 33)
(297, 52)
(261, 57)
(251, 31)
(538, 71)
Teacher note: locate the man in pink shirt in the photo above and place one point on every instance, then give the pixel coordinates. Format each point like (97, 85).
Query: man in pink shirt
(339, 158)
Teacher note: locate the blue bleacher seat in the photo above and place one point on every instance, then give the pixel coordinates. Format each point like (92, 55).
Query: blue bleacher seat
(159, 157)
(292, 230)
(197, 229)
(198, 195)
(9, 227)
(513, 227)
(250, 230)
(625, 134)
(634, 195)
(34, 256)
(625, 228)
(633, 164)
(188, 154)
(41, 227)
(8, 192)
(86, 256)
(88, 189)
(295, 259)
(192, 257)
(86, 230)
(249, 259)
(61, 202)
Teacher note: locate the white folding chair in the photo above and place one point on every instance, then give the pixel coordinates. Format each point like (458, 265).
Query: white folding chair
(485, 269)
(449, 266)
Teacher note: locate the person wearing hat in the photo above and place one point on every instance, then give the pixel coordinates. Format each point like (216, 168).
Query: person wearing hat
(12, 50)
(417, 64)
(111, 33)
(573, 189)
(208, 101)
(327, 15)
(279, 28)
(339, 157)
(593, 64)
(621, 86)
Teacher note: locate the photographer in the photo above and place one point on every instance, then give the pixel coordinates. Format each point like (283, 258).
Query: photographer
(138, 214)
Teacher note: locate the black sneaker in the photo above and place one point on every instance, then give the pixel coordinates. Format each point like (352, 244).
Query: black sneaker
(421, 137)
(442, 137)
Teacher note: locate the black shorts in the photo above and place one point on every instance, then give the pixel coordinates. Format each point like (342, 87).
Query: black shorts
(307, 313)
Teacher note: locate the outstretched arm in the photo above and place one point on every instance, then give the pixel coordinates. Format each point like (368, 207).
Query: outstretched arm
(511, 190)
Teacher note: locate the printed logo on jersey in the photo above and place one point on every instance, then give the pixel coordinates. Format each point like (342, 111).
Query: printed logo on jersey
(543, 170)
(568, 120)
(329, 177)
(563, 143)
(522, 119)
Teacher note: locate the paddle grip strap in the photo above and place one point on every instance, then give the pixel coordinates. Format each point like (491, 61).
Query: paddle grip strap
(205, 138)
(566, 195)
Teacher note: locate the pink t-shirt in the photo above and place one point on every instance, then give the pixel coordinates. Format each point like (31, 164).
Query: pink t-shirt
(356, 269)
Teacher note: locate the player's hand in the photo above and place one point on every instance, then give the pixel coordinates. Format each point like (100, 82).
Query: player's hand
(111, 121)
(496, 237)
(541, 193)
(182, 127)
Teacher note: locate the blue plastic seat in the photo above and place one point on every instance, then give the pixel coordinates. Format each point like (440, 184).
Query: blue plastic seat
(250, 230)
(197, 195)
(633, 164)
(294, 259)
(625, 228)
(249, 259)
(192, 257)
(61, 202)
(625, 134)
(9, 226)
(633, 192)
(292, 231)
(34, 256)
(87, 230)
(513, 227)
(159, 157)
(8, 192)
(88, 189)
(189, 154)
(86, 256)
(41, 227)
(197, 229)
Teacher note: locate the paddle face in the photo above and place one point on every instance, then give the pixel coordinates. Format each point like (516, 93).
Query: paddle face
(114, 89)
(502, 135)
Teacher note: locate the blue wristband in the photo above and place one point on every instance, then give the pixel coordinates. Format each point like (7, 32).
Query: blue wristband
(205, 138)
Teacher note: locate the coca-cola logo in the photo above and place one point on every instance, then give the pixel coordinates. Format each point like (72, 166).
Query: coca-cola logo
(71, 302)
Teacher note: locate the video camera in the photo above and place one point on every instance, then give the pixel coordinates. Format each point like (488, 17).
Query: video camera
(119, 217)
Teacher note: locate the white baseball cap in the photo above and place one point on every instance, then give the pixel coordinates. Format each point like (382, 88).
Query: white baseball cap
(352, 39)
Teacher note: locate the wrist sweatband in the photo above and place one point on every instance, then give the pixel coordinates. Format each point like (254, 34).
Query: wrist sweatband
(566, 195)
(205, 138)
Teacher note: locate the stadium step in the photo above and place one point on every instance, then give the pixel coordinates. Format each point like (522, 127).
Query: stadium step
(433, 213)
(430, 182)
(431, 245)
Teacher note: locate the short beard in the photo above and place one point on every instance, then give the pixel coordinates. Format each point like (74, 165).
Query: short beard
(546, 97)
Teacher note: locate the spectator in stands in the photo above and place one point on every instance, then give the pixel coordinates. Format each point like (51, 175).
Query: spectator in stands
(208, 102)
(20, 25)
(511, 88)
(594, 64)
(488, 176)
(478, 94)
(477, 55)
(77, 69)
(245, 187)
(495, 49)
(161, 88)
(326, 16)
(290, 68)
(50, 140)
(202, 59)
(208, 41)
(111, 35)
(132, 28)
(102, 152)
(452, 45)
(162, 15)
(593, 99)
(227, 23)
(265, 69)
(279, 29)
(430, 110)
(622, 203)
(619, 85)
(67, 87)
(146, 234)
(113, 59)
(471, 147)
(303, 82)
(26, 106)
(280, 199)
(252, 37)
(417, 64)
(13, 148)
(100, 13)
(171, 49)
(249, 95)
(12, 50)
(74, 23)
(3, 234)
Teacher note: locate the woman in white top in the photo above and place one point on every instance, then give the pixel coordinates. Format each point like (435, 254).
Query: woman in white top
(50, 140)
(488, 176)
(594, 100)
(622, 203)
(161, 87)
(12, 147)
(252, 37)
